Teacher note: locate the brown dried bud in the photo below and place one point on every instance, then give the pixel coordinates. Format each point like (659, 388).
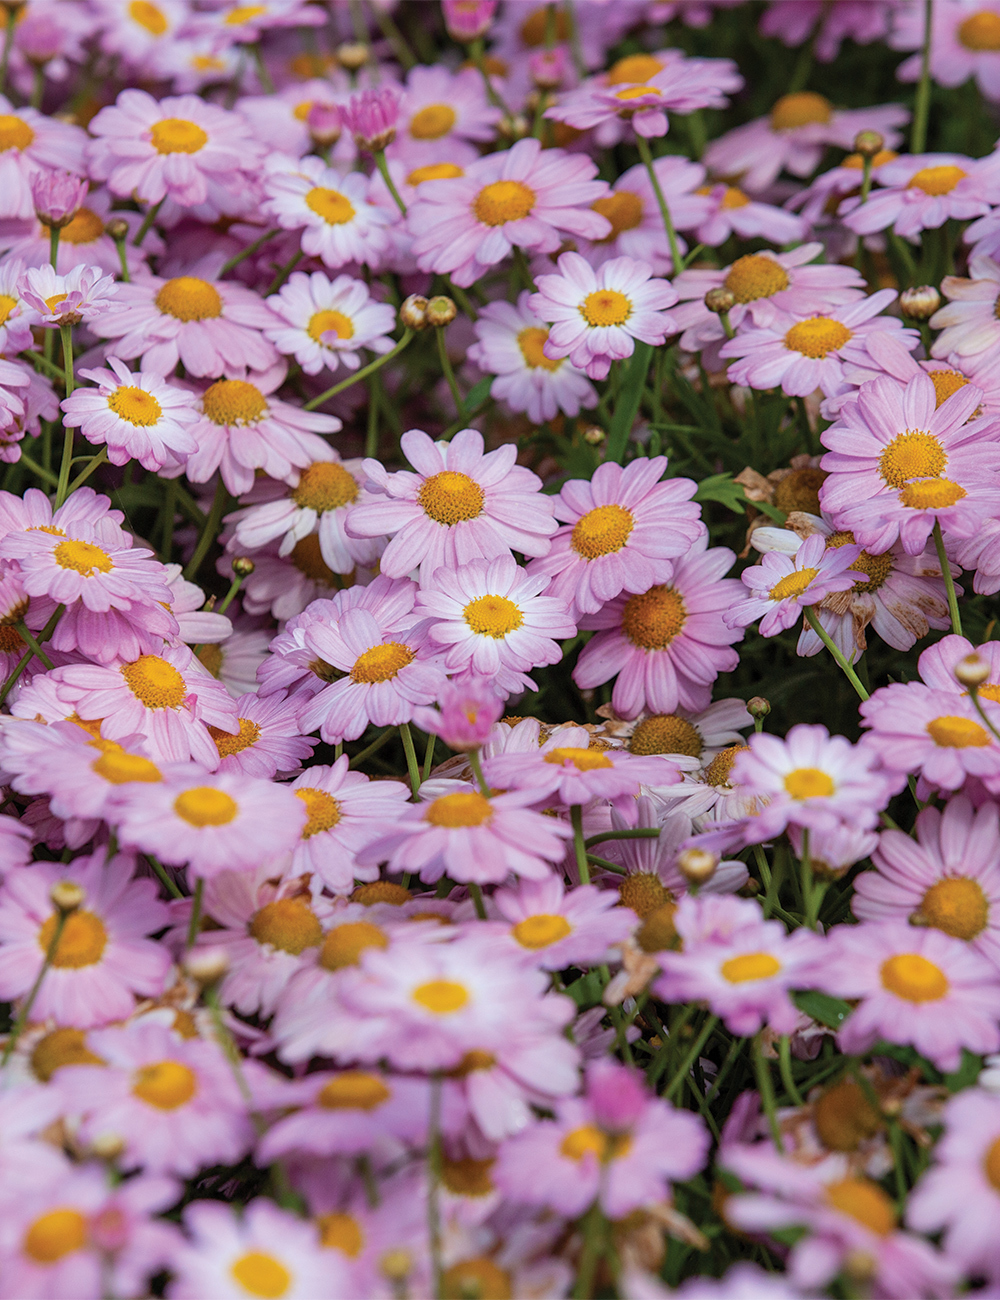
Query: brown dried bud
(243, 566)
(117, 228)
(594, 435)
(413, 312)
(758, 707)
(720, 300)
(920, 302)
(697, 865)
(353, 55)
(441, 310)
(868, 143)
(67, 896)
(972, 671)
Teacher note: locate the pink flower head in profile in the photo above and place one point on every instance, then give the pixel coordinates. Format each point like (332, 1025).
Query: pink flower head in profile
(371, 116)
(781, 585)
(964, 42)
(137, 416)
(617, 1145)
(740, 964)
(556, 927)
(103, 960)
(622, 531)
(923, 191)
(809, 779)
(458, 502)
(468, 19)
(597, 316)
(794, 22)
(268, 741)
(58, 196)
(669, 643)
(33, 142)
(521, 197)
(466, 714)
(969, 326)
(913, 985)
(82, 294)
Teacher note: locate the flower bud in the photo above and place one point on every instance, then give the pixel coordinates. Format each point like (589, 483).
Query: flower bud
(352, 55)
(117, 228)
(868, 143)
(549, 68)
(920, 302)
(67, 896)
(441, 311)
(514, 127)
(594, 435)
(371, 117)
(206, 965)
(323, 121)
(467, 20)
(697, 866)
(58, 197)
(758, 707)
(720, 300)
(243, 566)
(413, 312)
(107, 1146)
(972, 671)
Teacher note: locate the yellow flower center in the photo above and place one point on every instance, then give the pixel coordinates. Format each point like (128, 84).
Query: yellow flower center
(535, 28)
(14, 133)
(584, 760)
(210, 657)
(634, 67)
(336, 209)
(353, 1090)
(755, 276)
(463, 808)
(84, 557)
(480, 1278)
(913, 454)
(623, 209)
(7, 305)
(323, 810)
(61, 1047)
(443, 171)
(800, 109)
(718, 771)
(432, 122)
(733, 198)
(345, 943)
(644, 893)
(666, 733)
(188, 298)
(932, 494)
(442, 997)
(261, 1275)
(980, 31)
(601, 531)
(817, 336)
(877, 567)
(991, 1164)
(946, 383)
(586, 1140)
(10, 641)
(135, 406)
(329, 321)
(54, 1235)
(503, 201)
(652, 619)
(952, 732)
(325, 485)
(799, 490)
(119, 767)
(532, 341)
(81, 943)
(307, 556)
(176, 135)
(381, 662)
(341, 1232)
(226, 743)
(809, 783)
(636, 92)
(541, 930)
(381, 891)
(451, 497)
(857, 163)
(937, 180)
(956, 905)
(84, 228)
(205, 806)
(149, 16)
(658, 931)
(865, 1201)
(493, 616)
(287, 923)
(844, 1117)
(605, 307)
(234, 401)
(244, 14)
(467, 1176)
(914, 978)
(793, 584)
(750, 966)
(165, 1084)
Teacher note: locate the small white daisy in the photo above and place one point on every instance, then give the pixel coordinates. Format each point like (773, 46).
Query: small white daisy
(338, 223)
(326, 323)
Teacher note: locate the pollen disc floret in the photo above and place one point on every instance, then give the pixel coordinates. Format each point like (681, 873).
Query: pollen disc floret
(755, 276)
(652, 619)
(187, 298)
(451, 497)
(325, 485)
(817, 336)
(234, 401)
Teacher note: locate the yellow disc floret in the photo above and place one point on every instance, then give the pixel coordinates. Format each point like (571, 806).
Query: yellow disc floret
(463, 808)
(119, 767)
(634, 68)
(322, 809)
(749, 966)
(188, 298)
(204, 805)
(451, 497)
(532, 342)
(261, 1275)
(479, 1277)
(381, 662)
(864, 1201)
(654, 618)
(503, 201)
(913, 454)
(493, 616)
(605, 307)
(81, 943)
(83, 557)
(623, 209)
(149, 16)
(85, 228)
(937, 180)
(54, 1235)
(442, 171)
(541, 930)
(801, 108)
(234, 401)
(432, 122)
(345, 943)
(177, 135)
(793, 584)
(334, 208)
(932, 494)
(165, 1084)
(226, 744)
(289, 924)
(61, 1047)
(755, 276)
(135, 406)
(441, 997)
(914, 978)
(15, 133)
(666, 733)
(325, 485)
(329, 321)
(601, 531)
(817, 336)
(584, 760)
(980, 31)
(644, 893)
(956, 732)
(809, 783)
(956, 905)
(354, 1090)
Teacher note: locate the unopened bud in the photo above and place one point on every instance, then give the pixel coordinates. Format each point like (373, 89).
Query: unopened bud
(117, 228)
(243, 566)
(514, 127)
(206, 965)
(720, 300)
(868, 143)
(441, 311)
(67, 896)
(594, 435)
(697, 865)
(972, 671)
(107, 1146)
(413, 312)
(920, 302)
(758, 707)
(323, 121)
(352, 55)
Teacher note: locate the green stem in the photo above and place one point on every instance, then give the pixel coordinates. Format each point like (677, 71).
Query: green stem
(411, 757)
(640, 833)
(167, 880)
(147, 221)
(681, 1073)
(727, 1065)
(54, 233)
(594, 860)
(645, 153)
(263, 76)
(121, 245)
(949, 581)
(194, 925)
(974, 696)
(371, 433)
(593, 1241)
(579, 844)
(845, 667)
(523, 269)
(87, 470)
(23, 662)
(383, 168)
(29, 1002)
(428, 757)
(29, 640)
(284, 273)
(363, 373)
(249, 251)
(785, 1067)
(477, 770)
(866, 184)
(209, 531)
(230, 595)
(476, 894)
(44, 474)
(765, 1086)
(404, 55)
(374, 747)
(449, 373)
(922, 107)
(8, 43)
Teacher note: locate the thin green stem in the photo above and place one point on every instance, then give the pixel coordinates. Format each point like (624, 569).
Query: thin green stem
(922, 106)
(411, 756)
(866, 183)
(208, 533)
(22, 1016)
(374, 747)
(8, 42)
(579, 844)
(172, 888)
(785, 1067)
(147, 221)
(54, 233)
(284, 273)
(87, 470)
(476, 894)
(765, 1086)
(434, 1182)
(390, 184)
(449, 373)
(23, 662)
(523, 269)
(592, 1230)
(845, 667)
(121, 244)
(194, 925)
(394, 36)
(249, 251)
(605, 865)
(974, 696)
(727, 1065)
(681, 1073)
(363, 373)
(230, 595)
(949, 581)
(428, 756)
(371, 433)
(263, 76)
(645, 153)
(639, 833)
(575, 48)
(477, 769)
(29, 640)
(44, 474)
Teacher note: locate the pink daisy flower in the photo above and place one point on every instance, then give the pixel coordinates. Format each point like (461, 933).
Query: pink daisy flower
(438, 105)
(268, 741)
(647, 861)
(964, 43)
(325, 323)
(521, 197)
(211, 821)
(241, 427)
(617, 1145)
(338, 221)
(922, 192)
(949, 878)
(212, 326)
(914, 986)
(138, 417)
(805, 354)
(103, 959)
(938, 662)
(15, 330)
(667, 644)
(346, 812)
(968, 323)
(83, 293)
(173, 1101)
(794, 21)
(31, 143)
(622, 530)
(809, 779)
(491, 619)
(598, 315)
(286, 587)
(469, 836)
(511, 345)
(732, 212)
(556, 928)
(15, 844)
(782, 584)
(740, 964)
(466, 714)
(84, 241)
(459, 502)
(172, 147)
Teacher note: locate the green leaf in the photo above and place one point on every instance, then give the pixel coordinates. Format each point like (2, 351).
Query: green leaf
(722, 488)
(629, 400)
(587, 990)
(966, 1074)
(477, 394)
(828, 1010)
